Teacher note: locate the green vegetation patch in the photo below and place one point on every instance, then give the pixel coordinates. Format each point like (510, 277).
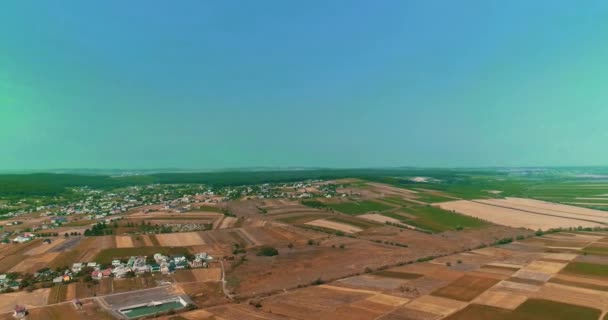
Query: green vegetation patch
(397, 275)
(268, 251)
(599, 251)
(439, 220)
(395, 216)
(531, 309)
(549, 310)
(314, 204)
(107, 255)
(431, 198)
(587, 269)
(152, 309)
(361, 207)
(207, 209)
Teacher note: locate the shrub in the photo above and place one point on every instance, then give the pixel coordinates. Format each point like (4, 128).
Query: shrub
(268, 251)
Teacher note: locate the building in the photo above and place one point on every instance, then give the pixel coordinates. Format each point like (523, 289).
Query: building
(77, 267)
(21, 239)
(20, 312)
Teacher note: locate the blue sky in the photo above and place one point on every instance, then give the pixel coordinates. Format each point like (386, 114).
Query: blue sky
(218, 84)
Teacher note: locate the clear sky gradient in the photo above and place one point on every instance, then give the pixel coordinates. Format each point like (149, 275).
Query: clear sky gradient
(219, 84)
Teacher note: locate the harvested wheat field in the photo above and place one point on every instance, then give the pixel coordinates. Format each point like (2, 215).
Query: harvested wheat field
(32, 264)
(572, 295)
(124, 242)
(198, 275)
(517, 218)
(549, 208)
(32, 299)
(501, 299)
(334, 226)
(435, 305)
(183, 239)
(226, 222)
(240, 312)
(44, 248)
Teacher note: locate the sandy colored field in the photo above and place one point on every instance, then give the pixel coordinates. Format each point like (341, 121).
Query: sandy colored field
(513, 218)
(43, 248)
(550, 208)
(197, 315)
(35, 298)
(532, 275)
(147, 240)
(378, 218)
(241, 312)
(516, 287)
(561, 256)
(180, 239)
(198, 275)
(11, 249)
(436, 305)
(545, 267)
(334, 225)
(501, 299)
(34, 263)
(583, 280)
(227, 222)
(572, 295)
(124, 242)
(388, 300)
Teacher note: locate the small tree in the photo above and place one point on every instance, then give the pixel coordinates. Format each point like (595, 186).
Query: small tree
(268, 251)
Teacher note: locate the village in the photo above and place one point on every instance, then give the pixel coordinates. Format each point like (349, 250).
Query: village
(118, 269)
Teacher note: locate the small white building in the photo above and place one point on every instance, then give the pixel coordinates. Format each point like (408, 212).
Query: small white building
(77, 267)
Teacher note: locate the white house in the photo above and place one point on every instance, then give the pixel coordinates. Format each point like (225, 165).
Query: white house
(77, 267)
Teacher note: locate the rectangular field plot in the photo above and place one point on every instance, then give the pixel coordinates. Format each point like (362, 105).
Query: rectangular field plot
(587, 269)
(324, 223)
(435, 305)
(361, 207)
(183, 239)
(531, 309)
(466, 288)
(527, 213)
(438, 220)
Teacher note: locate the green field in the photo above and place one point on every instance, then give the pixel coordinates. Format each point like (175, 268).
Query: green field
(107, 255)
(150, 310)
(438, 220)
(431, 198)
(207, 209)
(361, 207)
(395, 215)
(532, 309)
(587, 269)
(599, 251)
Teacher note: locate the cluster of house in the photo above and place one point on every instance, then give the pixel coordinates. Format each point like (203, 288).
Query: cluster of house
(5, 282)
(24, 237)
(139, 265)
